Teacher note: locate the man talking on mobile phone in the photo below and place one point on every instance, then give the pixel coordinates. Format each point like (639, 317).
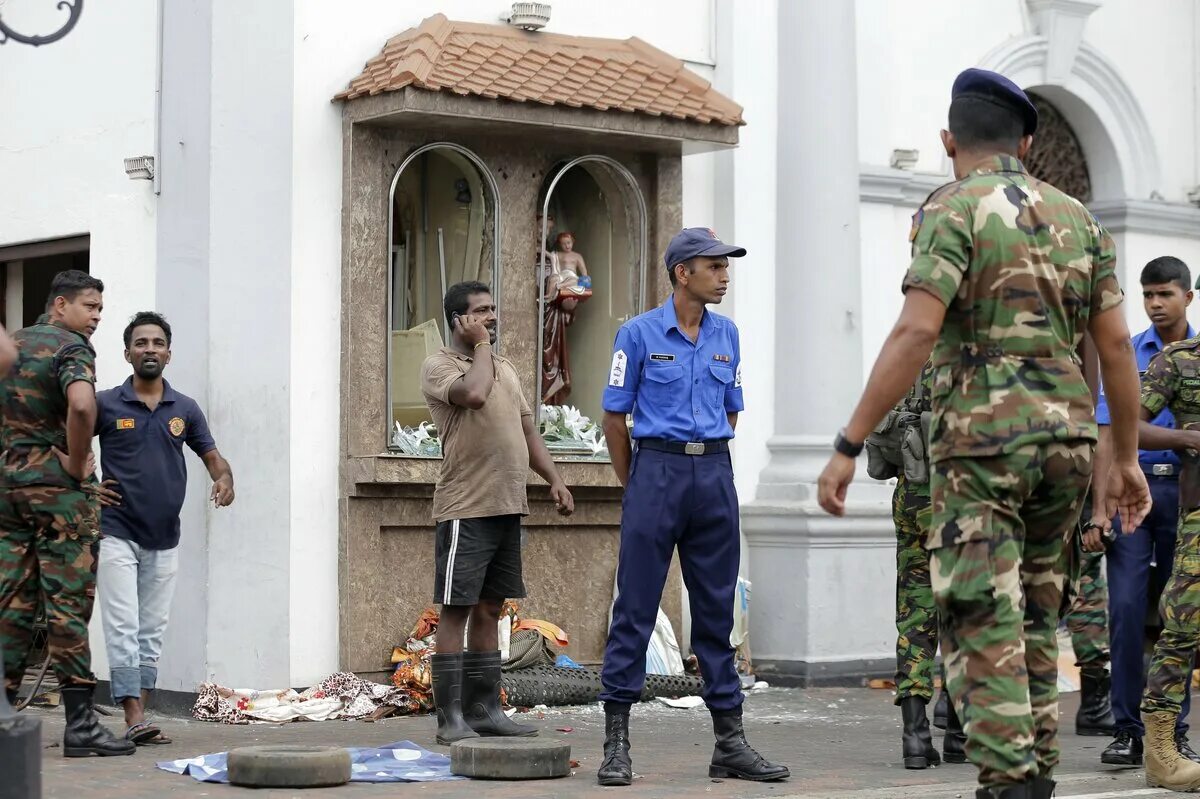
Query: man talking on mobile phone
(489, 442)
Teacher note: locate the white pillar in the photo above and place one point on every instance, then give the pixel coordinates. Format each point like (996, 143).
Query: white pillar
(822, 599)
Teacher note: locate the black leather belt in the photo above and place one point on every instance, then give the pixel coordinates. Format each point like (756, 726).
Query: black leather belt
(1160, 469)
(685, 447)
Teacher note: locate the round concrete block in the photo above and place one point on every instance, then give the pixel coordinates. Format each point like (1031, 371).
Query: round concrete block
(289, 766)
(510, 758)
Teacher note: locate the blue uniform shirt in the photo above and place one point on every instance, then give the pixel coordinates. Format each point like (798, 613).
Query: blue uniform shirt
(1146, 345)
(143, 451)
(677, 389)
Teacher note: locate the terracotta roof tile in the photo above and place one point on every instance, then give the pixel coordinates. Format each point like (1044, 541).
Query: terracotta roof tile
(497, 61)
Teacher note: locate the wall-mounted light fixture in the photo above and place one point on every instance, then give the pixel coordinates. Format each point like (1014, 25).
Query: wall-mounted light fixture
(529, 16)
(140, 167)
(904, 159)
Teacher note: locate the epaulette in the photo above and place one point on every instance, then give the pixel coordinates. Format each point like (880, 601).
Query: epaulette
(1192, 344)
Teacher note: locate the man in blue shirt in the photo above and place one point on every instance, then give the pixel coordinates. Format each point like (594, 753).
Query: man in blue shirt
(1140, 563)
(143, 425)
(677, 369)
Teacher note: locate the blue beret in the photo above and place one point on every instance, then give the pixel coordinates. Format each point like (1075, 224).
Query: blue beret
(995, 88)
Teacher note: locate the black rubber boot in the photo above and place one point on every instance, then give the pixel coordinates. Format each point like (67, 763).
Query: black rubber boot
(481, 697)
(916, 741)
(617, 768)
(1042, 788)
(1095, 715)
(939, 708)
(1022, 791)
(954, 744)
(85, 735)
(447, 697)
(733, 757)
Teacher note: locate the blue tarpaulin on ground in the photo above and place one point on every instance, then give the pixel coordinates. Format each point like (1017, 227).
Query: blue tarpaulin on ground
(402, 761)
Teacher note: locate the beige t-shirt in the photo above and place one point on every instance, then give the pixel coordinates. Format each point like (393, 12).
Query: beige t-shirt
(485, 460)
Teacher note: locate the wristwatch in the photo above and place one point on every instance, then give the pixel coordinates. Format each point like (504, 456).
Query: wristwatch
(843, 445)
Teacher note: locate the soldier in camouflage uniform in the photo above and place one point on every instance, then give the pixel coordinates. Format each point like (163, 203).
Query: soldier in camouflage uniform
(1085, 616)
(1173, 381)
(49, 525)
(896, 449)
(1007, 275)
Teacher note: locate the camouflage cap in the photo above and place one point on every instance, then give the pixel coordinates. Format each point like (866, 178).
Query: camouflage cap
(995, 88)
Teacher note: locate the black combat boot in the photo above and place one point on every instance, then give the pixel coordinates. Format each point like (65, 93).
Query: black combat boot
(954, 744)
(939, 709)
(733, 757)
(1095, 715)
(1185, 748)
(1125, 750)
(1022, 791)
(11, 695)
(916, 742)
(617, 768)
(481, 697)
(1042, 788)
(85, 735)
(447, 696)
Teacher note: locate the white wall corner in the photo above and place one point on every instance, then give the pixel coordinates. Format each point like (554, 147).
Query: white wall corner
(885, 184)
(1061, 23)
(1146, 216)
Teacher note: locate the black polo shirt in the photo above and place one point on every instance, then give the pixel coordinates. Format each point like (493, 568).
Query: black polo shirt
(143, 451)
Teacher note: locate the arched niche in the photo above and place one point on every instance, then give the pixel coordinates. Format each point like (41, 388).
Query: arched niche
(598, 201)
(1101, 108)
(443, 228)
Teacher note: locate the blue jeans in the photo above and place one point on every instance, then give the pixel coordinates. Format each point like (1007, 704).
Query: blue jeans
(135, 586)
(1130, 578)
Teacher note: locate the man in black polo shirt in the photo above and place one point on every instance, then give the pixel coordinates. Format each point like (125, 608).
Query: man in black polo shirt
(143, 425)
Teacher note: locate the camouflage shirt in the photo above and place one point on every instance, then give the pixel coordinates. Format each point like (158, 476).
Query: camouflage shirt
(1172, 380)
(34, 398)
(1021, 268)
(919, 396)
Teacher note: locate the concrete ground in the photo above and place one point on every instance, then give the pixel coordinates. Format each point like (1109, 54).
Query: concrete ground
(840, 743)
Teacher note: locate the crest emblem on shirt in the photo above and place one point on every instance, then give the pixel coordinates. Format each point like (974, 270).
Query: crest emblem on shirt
(176, 426)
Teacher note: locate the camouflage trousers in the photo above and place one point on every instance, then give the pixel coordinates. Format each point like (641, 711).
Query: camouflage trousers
(48, 546)
(1003, 524)
(1086, 614)
(916, 617)
(1171, 668)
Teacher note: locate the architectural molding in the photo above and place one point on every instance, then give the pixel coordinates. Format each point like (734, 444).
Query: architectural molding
(1061, 23)
(1146, 216)
(883, 184)
(1100, 106)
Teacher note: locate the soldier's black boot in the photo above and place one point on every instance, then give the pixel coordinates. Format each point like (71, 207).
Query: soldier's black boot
(617, 768)
(1021, 791)
(1185, 748)
(1042, 788)
(939, 708)
(85, 735)
(1095, 715)
(1125, 750)
(916, 741)
(447, 696)
(481, 697)
(954, 744)
(733, 757)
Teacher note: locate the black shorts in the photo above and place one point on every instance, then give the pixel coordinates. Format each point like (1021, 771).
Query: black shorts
(478, 559)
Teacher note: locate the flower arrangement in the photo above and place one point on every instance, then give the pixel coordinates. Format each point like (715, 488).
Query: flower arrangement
(564, 428)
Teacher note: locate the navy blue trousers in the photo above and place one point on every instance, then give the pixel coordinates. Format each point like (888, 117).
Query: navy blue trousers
(689, 502)
(1130, 581)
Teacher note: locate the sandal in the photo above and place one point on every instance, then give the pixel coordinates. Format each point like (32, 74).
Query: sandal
(158, 740)
(142, 732)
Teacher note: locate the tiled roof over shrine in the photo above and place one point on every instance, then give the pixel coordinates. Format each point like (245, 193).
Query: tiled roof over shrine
(502, 62)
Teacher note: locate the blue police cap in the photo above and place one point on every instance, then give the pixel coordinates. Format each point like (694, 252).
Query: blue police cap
(693, 241)
(995, 88)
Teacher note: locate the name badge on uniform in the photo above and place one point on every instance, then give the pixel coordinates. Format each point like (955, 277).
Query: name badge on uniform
(722, 358)
(659, 356)
(125, 424)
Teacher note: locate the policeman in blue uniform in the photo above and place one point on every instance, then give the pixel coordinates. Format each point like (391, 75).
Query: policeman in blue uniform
(677, 369)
